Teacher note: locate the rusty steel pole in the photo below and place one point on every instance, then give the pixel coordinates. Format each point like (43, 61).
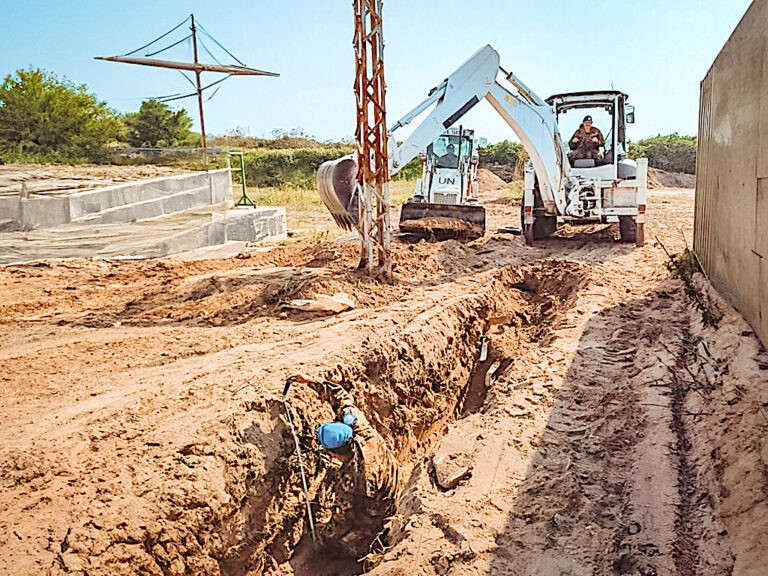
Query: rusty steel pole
(371, 135)
(199, 88)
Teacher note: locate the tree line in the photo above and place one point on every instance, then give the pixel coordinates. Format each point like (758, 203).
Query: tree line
(672, 152)
(44, 118)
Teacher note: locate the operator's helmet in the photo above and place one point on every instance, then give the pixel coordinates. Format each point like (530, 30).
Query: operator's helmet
(450, 147)
(587, 118)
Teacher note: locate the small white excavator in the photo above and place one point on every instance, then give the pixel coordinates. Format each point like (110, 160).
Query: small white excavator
(445, 203)
(610, 188)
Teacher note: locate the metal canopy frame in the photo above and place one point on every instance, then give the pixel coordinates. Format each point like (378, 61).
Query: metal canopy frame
(197, 67)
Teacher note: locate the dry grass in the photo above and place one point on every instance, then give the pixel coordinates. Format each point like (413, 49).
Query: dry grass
(309, 200)
(513, 190)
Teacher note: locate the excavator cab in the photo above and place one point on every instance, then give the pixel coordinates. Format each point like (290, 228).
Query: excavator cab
(449, 174)
(611, 114)
(608, 188)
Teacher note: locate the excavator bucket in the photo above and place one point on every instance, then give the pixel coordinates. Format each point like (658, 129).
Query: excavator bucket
(443, 221)
(337, 185)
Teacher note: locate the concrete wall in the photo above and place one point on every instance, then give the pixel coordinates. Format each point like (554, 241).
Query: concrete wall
(731, 222)
(122, 202)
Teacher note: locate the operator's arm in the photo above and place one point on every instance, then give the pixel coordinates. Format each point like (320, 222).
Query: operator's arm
(600, 138)
(575, 139)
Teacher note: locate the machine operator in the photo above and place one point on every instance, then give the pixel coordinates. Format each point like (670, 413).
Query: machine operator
(449, 159)
(586, 142)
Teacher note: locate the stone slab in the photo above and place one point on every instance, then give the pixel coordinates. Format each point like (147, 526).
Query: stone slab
(153, 238)
(172, 193)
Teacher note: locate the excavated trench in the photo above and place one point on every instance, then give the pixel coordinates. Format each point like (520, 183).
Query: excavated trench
(410, 382)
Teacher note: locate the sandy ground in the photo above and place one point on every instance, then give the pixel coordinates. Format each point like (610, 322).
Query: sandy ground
(608, 432)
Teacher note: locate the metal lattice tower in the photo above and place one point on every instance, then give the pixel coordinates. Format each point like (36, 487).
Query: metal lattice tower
(371, 134)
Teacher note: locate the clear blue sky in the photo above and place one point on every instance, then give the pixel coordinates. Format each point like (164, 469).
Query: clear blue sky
(655, 50)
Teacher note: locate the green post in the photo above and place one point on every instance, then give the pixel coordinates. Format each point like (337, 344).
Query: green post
(244, 200)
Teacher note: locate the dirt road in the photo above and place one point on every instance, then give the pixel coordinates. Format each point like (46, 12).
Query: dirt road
(608, 432)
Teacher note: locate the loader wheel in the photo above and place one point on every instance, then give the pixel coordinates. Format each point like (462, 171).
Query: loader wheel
(631, 231)
(544, 225)
(528, 234)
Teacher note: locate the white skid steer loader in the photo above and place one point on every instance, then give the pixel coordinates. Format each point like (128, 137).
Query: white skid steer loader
(445, 203)
(609, 188)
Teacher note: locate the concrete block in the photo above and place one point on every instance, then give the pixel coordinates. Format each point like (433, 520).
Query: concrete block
(187, 240)
(43, 212)
(254, 224)
(9, 208)
(122, 202)
(185, 200)
(220, 182)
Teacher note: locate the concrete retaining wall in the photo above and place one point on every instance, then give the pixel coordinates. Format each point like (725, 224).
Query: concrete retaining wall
(248, 225)
(731, 222)
(122, 202)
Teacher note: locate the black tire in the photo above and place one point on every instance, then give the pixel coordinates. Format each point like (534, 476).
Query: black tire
(627, 228)
(544, 225)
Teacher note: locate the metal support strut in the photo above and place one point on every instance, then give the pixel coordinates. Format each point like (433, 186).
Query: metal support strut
(371, 135)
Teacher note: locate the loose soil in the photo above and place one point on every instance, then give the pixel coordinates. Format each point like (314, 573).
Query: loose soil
(488, 181)
(609, 431)
(662, 179)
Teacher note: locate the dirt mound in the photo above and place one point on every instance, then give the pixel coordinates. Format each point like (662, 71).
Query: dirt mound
(487, 181)
(505, 172)
(662, 179)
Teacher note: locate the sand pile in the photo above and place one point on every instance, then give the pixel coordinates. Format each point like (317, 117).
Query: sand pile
(488, 181)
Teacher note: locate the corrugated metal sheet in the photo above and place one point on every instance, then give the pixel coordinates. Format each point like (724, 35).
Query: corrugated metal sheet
(731, 216)
(704, 192)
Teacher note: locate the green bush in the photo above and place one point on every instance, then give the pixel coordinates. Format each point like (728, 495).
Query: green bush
(294, 168)
(673, 153)
(156, 125)
(44, 118)
(410, 171)
(504, 152)
(280, 140)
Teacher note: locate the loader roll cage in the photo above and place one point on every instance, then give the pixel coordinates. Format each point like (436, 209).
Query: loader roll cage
(463, 145)
(612, 101)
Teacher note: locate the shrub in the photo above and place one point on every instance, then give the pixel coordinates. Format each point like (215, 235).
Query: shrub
(155, 124)
(47, 118)
(504, 152)
(673, 153)
(410, 171)
(293, 167)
